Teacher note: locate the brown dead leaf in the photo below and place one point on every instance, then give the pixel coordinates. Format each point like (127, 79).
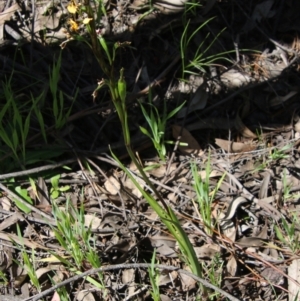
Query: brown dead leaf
(264, 187)
(188, 283)
(198, 102)
(273, 276)
(5, 203)
(85, 296)
(128, 276)
(294, 273)
(172, 197)
(112, 185)
(234, 147)
(159, 170)
(251, 241)
(166, 278)
(243, 130)
(92, 220)
(193, 147)
(8, 13)
(164, 245)
(264, 232)
(132, 187)
(214, 173)
(42, 192)
(11, 220)
(20, 279)
(230, 233)
(55, 297)
(132, 167)
(30, 244)
(231, 266)
(40, 272)
(297, 126)
(156, 170)
(111, 220)
(59, 274)
(207, 251)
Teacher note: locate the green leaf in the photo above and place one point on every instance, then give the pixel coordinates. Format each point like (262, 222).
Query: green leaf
(54, 194)
(145, 131)
(175, 111)
(151, 167)
(64, 188)
(6, 140)
(26, 128)
(279, 234)
(61, 259)
(15, 139)
(33, 185)
(146, 115)
(104, 46)
(55, 181)
(6, 106)
(24, 194)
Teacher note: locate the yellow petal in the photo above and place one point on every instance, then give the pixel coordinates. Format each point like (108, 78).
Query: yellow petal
(73, 25)
(87, 20)
(72, 8)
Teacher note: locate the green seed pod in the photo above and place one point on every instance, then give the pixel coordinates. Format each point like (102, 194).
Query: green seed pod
(122, 86)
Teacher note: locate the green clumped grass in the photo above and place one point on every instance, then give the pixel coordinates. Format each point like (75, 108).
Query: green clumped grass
(20, 121)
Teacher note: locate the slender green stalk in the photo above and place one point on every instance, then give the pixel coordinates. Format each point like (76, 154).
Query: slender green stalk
(96, 47)
(28, 263)
(154, 279)
(165, 212)
(118, 93)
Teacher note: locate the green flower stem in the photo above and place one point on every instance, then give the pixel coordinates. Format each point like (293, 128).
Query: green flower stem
(166, 214)
(118, 92)
(96, 46)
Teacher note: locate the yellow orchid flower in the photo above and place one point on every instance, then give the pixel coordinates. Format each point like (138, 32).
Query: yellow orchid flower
(73, 25)
(72, 7)
(87, 20)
